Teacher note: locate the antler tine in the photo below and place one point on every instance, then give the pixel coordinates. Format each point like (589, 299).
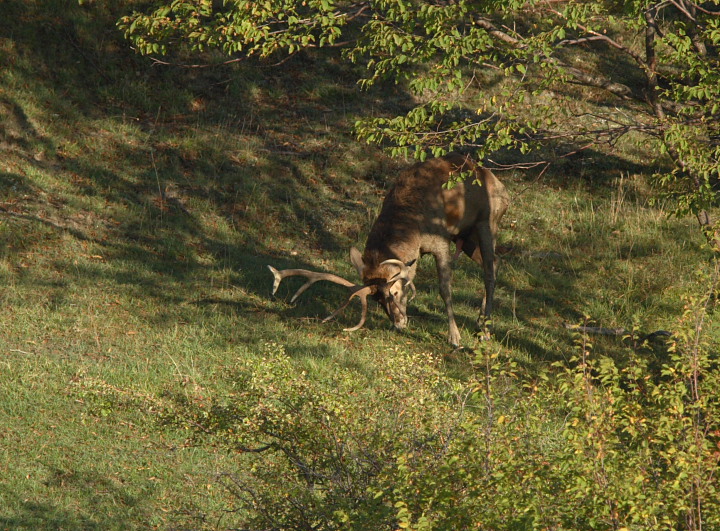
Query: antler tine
(395, 261)
(363, 293)
(411, 285)
(312, 276)
(363, 315)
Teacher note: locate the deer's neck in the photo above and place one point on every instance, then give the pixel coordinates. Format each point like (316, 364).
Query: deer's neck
(392, 240)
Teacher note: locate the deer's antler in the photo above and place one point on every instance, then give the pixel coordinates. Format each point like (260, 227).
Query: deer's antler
(363, 293)
(313, 276)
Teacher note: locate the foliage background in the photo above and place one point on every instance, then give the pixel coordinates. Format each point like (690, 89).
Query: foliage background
(651, 67)
(148, 380)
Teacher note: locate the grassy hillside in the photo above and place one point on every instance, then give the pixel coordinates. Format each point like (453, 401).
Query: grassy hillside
(139, 205)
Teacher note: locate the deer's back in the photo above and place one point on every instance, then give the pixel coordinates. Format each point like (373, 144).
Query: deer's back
(419, 208)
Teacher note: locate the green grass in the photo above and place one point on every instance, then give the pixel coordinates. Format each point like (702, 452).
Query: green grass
(138, 208)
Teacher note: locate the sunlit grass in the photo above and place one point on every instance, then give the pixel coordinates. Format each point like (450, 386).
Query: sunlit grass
(138, 214)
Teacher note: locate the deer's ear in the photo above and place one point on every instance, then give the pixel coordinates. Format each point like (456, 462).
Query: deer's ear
(357, 261)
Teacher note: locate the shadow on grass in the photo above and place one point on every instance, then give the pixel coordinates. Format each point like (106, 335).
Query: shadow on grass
(93, 503)
(149, 179)
(177, 211)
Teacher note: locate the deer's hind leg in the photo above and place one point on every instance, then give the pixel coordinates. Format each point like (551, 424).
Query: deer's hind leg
(480, 247)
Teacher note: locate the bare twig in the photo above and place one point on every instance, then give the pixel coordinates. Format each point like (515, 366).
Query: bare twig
(618, 89)
(706, 11)
(614, 331)
(607, 39)
(160, 62)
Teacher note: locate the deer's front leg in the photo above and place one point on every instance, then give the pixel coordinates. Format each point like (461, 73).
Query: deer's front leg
(443, 260)
(489, 265)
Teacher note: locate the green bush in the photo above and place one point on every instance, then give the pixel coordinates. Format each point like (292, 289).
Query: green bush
(311, 450)
(588, 444)
(597, 446)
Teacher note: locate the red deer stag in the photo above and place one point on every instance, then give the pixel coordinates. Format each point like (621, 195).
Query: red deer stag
(419, 216)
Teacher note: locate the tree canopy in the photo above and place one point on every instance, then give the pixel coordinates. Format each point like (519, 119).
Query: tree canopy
(493, 76)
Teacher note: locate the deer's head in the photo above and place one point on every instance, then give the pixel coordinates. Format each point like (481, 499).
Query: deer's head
(389, 283)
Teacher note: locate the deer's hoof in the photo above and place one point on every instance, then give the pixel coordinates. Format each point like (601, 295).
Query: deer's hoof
(483, 335)
(454, 340)
(484, 332)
